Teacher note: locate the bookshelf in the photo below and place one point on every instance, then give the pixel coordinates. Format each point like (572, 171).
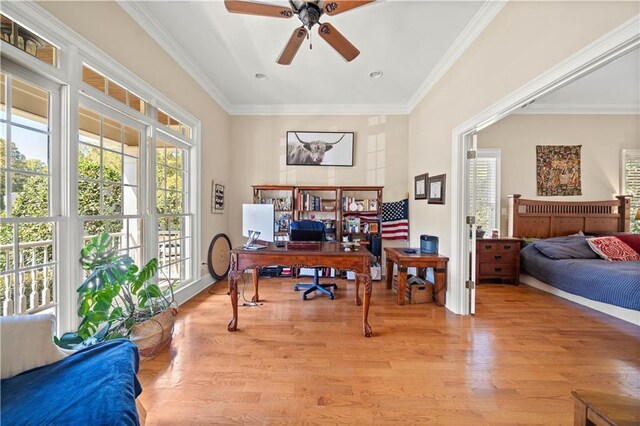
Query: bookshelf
(361, 211)
(283, 198)
(319, 203)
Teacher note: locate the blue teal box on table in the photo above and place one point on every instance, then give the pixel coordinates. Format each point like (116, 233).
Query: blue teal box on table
(428, 244)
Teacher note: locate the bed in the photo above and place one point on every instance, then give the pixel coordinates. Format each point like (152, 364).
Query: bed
(557, 259)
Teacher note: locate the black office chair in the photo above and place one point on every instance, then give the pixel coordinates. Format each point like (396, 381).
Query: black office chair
(311, 230)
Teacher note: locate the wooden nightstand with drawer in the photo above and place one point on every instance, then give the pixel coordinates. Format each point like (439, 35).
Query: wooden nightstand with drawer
(498, 259)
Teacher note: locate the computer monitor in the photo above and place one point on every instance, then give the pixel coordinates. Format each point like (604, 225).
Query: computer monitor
(306, 234)
(258, 221)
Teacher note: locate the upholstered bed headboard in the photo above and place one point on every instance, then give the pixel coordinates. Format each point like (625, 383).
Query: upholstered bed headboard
(545, 219)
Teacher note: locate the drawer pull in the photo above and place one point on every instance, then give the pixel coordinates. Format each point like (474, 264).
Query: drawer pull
(498, 269)
(497, 257)
(488, 247)
(507, 247)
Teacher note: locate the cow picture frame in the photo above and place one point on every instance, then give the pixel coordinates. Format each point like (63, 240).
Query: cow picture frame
(320, 148)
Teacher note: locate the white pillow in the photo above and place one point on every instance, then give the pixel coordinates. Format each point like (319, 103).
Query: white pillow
(26, 342)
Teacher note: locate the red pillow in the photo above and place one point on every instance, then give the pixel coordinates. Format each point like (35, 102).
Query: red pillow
(613, 249)
(632, 240)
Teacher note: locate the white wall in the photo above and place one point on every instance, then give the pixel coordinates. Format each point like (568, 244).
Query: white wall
(522, 42)
(258, 156)
(109, 27)
(602, 138)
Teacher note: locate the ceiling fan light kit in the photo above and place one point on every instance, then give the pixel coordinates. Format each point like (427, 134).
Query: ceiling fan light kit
(309, 13)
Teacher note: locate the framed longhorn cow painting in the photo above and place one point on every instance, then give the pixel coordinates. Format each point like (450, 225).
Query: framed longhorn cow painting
(319, 148)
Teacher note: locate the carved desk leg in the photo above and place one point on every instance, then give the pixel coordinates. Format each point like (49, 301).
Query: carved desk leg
(368, 288)
(358, 300)
(233, 294)
(256, 277)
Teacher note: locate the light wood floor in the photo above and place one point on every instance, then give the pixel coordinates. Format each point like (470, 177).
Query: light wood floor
(294, 362)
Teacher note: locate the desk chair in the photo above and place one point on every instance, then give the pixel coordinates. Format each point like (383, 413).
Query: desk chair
(303, 230)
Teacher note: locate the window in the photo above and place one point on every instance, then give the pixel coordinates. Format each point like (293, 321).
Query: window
(172, 206)
(20, 37)
(631, 183)
(28, 258)
(109, 165)
(98, 81)
(485, 188)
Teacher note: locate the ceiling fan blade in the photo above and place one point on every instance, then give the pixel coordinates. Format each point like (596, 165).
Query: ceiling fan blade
(333, 7)
(261, 9)
(292, 46)
(338, 42)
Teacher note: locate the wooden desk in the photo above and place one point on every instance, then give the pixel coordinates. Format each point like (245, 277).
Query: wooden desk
(420, 261)
(597, 408)
(331, 255)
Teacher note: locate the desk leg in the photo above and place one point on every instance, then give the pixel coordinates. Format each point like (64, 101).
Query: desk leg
(368, 288)
(256, 277)
(389, 273)
(233, 294)
(402, 284)
(358, 300)
(440, 285)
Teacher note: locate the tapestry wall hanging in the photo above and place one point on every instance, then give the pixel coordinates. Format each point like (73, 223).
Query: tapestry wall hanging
(558, 169)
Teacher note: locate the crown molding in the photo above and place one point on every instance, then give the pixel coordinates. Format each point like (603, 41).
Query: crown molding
(474, 28)
(576, 109)
(148, 23)
(326, 109)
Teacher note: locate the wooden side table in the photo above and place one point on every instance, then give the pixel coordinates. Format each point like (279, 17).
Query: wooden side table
(406, 260)
(498, 259)
(597, 408)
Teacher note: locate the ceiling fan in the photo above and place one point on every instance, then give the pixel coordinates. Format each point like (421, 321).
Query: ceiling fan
(309, 12)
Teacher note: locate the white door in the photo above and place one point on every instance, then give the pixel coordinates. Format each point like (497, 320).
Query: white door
(471, 142)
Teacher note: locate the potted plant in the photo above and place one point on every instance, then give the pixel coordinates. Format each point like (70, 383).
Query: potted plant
(118, 300)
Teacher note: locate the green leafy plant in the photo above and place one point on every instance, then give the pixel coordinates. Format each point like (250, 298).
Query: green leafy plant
(115, 296)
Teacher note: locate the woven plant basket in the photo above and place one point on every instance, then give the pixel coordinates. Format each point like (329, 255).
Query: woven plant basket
(152, 335)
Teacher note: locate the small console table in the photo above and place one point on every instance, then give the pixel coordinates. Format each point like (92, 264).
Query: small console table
(602, 409)
(397, 255)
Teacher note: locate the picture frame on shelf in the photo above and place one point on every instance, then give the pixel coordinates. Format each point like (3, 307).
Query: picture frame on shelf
(217, 197)
(420, 186)
(436, 189)
(320, 148)
(373, 227)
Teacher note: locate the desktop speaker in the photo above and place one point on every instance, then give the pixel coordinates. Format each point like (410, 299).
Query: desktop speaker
(428, 244)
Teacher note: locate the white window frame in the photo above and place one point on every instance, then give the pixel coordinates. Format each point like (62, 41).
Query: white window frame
(497, 154)
(14, 70)
(625, 155)
(74, 51)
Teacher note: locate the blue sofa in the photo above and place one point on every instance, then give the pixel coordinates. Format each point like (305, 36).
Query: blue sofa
(43, 385)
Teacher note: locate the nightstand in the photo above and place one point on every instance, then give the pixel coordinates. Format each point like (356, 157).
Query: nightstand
(498, 259)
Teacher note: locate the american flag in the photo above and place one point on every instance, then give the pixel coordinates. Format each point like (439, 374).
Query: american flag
(395, 220)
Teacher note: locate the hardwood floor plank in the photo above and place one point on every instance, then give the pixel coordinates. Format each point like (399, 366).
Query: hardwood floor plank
(305, 362)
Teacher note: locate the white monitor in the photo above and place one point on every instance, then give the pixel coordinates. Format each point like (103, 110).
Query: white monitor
(258, 218)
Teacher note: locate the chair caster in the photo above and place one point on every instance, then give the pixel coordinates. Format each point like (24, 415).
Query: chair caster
(304, 297)
(296, 288)
(331, 296)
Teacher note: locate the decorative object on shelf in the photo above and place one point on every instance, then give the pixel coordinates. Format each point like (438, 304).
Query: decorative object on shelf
(320, 148)
(495, 233)
(118, 300)
(420, 186)
(217, 197)
(558, 170)
(436, 187)
(480, 232)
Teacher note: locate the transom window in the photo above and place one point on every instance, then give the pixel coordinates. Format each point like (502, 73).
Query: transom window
(26, 40)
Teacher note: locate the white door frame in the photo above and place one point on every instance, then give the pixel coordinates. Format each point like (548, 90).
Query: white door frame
(613, 45)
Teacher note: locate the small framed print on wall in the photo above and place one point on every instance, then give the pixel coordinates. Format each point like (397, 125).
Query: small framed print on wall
(217, 197)
(420, 186)
(436, 189)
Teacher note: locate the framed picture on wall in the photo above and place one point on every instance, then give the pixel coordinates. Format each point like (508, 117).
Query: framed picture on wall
(420, 186)
(217, 197)
(320, 148)
(436, 189)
